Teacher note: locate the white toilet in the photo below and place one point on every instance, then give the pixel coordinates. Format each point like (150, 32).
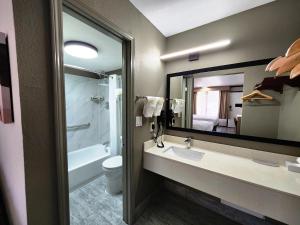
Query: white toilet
(113, 172)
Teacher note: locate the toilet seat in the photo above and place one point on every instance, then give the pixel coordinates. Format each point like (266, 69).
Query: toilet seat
(113, 162)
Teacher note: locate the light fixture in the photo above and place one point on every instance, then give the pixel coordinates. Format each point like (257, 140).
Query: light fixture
(81, 49)
(202, 48)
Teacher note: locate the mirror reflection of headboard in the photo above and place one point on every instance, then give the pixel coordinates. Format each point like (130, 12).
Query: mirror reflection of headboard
(209, 101)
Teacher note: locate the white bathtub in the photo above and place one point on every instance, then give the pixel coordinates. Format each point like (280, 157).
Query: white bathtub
(85, 164)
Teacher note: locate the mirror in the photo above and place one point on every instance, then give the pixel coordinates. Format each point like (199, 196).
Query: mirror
(218, 82)
(212, 102)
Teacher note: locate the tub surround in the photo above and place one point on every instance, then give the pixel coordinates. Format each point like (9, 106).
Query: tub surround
(234, 175)
(81, 110)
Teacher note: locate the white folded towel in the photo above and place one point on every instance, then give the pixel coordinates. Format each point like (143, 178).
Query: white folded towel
(178, 105)
(150, 106)
(159, 106)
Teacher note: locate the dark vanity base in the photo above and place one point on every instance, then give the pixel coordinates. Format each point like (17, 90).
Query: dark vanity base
(202, 201)
(170, 209)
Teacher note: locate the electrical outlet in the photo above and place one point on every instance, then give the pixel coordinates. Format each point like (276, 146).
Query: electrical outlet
(152, 127)
(139, 121)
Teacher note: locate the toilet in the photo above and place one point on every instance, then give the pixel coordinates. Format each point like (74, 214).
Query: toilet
(112, 168)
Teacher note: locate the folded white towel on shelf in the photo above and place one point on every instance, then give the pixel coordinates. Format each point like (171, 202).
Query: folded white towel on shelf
(159, 106)
(150, 106)
(178, 105)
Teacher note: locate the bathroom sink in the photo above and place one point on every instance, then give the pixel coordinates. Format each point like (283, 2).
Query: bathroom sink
(184, 153)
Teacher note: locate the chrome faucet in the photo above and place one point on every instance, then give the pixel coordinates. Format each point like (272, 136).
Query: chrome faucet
(188, 142)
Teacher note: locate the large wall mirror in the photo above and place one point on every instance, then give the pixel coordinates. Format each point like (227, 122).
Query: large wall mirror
(210, 100)
(218, 82)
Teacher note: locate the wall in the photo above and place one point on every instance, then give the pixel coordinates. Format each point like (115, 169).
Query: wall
(81, 110)
(289, 123)
(148, 75)
(12, 175)
(254, 34)
(250, 41)
(256, 119)
(33, 40)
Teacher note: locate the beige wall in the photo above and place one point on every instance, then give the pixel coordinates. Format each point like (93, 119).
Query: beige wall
(148, 75)
(262, 32)
(12, 175)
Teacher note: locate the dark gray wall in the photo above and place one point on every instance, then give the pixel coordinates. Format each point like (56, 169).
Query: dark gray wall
(33, 33)
(262, 32)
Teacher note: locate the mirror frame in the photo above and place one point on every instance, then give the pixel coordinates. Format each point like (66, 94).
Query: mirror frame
(235, 136)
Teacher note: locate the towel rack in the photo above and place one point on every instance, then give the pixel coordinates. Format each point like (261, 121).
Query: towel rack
(139, 97)
(145, 97)
(78, 127)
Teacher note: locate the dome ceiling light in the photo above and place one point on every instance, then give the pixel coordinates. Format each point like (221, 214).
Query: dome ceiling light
(81, 49)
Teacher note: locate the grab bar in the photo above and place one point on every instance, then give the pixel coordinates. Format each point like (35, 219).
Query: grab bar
(78, 127)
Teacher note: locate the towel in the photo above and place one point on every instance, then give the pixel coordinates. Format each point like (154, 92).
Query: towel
(150, 106)
(178, 105)
(159, 106)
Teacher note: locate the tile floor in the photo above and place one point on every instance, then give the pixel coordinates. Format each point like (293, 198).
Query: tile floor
(170, 209)
(91, 205)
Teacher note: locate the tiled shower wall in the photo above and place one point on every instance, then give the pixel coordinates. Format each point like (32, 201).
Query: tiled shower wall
(81, 110)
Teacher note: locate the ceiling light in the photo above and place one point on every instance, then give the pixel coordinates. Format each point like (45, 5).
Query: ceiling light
(202, 48)
(81, 49)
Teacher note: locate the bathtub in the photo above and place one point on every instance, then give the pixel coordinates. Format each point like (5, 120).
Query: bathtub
(85, 164)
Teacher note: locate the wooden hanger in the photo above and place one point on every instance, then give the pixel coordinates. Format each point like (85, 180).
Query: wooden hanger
(289, 64)
(295, 72)
(257, 95)
(293, 49)
(275, 63)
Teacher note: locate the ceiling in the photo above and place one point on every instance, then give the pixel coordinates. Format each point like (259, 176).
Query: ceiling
(175, 16)
(221, 80)
(110, 50)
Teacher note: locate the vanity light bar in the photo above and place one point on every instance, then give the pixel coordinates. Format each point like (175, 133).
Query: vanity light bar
(202, 48)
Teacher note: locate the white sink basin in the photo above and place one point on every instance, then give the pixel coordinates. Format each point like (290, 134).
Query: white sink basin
(184, 153)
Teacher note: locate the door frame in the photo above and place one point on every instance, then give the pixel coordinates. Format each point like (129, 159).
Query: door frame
(57, 7)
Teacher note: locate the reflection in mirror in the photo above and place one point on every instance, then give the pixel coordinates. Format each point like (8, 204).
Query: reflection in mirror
(213, 102)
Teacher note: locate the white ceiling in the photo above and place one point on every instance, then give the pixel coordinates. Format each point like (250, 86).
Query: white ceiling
(221, 80)
(110, 50)
(175, 16)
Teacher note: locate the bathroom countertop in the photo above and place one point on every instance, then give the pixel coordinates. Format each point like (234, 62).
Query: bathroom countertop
(241, 168)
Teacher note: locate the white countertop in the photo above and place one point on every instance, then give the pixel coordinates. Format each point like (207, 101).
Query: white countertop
(241, 168)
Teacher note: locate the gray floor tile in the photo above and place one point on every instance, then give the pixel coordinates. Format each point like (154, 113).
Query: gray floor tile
(91, 205)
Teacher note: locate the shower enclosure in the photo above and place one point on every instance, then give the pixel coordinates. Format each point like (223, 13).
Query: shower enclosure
(93, 93)
(94, 118)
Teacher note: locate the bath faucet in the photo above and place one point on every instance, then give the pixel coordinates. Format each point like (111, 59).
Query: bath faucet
(188, 142)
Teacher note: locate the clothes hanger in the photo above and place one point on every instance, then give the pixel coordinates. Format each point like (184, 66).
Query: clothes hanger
(276, 63)
(268, 68)
(295, 72)
(289, 64)
(257, 95)
(293, 49)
